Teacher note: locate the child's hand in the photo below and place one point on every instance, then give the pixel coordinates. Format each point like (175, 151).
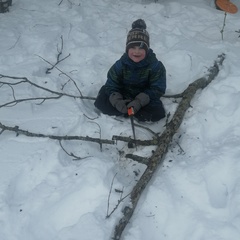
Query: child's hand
(121, 105)
(141, 100)
(135, 104)
(116, 99)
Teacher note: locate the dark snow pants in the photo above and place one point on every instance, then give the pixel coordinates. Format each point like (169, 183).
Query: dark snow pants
(152, 112)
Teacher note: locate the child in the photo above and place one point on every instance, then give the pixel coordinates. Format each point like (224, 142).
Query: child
(136, 80)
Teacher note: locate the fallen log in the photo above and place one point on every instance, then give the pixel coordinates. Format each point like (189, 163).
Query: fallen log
(164, 140)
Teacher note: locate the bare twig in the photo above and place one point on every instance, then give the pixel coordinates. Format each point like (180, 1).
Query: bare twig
(63, 74)
(89, 117)
(58, 57)
(71, 154)
(15, 102)
(60, 2)
(181, 151)
(15, 43)
(118, 203)
(54, 65)
(24, 80)
(13, 93)
(63, 85)
(109, 195)
(224, 24)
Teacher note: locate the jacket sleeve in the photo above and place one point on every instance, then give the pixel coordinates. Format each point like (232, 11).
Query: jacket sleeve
(114, 77)
(157, 81)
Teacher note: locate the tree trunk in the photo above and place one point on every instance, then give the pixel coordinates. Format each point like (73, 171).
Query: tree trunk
(158, 157)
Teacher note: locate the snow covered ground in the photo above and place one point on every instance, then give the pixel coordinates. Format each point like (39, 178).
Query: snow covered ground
(45, 194)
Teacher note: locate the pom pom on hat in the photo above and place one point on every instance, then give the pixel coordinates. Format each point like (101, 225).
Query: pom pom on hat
(140, 23)
(138, 35)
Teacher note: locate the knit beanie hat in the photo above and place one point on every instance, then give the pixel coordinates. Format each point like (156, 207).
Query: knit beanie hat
(138, 36)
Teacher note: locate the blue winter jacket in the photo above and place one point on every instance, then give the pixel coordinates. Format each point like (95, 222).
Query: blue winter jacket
(130, 78)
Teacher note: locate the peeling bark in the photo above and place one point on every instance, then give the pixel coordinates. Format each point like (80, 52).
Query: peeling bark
(164, 140)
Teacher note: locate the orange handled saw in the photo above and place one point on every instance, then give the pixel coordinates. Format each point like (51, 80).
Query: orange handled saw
(131, 114)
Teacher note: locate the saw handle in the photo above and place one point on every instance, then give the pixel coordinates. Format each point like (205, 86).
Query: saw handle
(130, 111)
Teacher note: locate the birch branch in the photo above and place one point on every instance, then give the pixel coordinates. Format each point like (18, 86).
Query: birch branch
(158, 156)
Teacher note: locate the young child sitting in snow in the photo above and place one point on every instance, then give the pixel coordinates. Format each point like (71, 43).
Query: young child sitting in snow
(136, 80)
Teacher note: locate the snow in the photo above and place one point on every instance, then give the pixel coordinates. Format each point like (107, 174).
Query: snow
(45, 194)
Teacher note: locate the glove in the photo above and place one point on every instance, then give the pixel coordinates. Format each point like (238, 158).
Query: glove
(117, 101)
(141, 100)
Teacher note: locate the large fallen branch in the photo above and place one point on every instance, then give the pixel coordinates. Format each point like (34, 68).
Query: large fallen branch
(100, 141)
(157, 158)
(19, 131)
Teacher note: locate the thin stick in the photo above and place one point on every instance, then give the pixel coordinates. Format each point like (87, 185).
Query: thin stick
(224, 24)
(62, 73)
(109, 195)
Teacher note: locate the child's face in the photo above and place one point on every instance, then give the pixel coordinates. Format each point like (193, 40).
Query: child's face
(137, 54)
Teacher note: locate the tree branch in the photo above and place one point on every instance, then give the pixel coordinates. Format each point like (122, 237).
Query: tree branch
(140, 159)
(24, 80)
(71, 154)
(15, 102)
(19, 131)
(63, 74)
(154, 141)
(58, 57)
(158, 156)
